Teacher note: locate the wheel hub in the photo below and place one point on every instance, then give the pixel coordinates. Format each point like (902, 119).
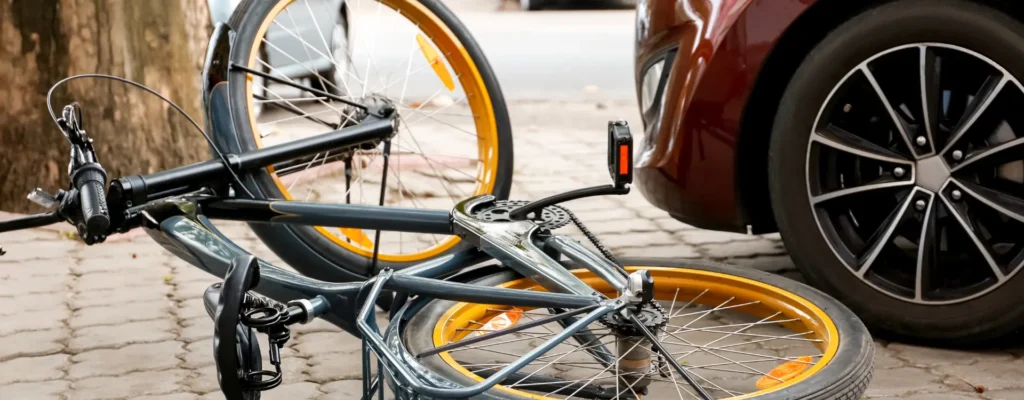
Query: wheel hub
(932, 173)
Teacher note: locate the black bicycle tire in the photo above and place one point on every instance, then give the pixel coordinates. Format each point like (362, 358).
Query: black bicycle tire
(303, 248)
(845, 378)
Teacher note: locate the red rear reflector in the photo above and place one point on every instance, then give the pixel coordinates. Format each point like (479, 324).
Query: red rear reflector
(623, 160)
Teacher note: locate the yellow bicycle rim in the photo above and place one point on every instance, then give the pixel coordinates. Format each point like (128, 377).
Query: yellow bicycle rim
(708, 288)
(469, 77)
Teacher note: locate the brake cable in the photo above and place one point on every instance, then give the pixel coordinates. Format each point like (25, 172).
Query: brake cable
(209, 140)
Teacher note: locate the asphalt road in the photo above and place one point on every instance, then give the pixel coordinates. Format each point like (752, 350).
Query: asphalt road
(578, 50)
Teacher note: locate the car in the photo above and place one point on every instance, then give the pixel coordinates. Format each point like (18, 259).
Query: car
(883, 139)
(288, 55)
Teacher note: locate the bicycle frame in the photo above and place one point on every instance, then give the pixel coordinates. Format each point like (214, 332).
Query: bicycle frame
(175, 207)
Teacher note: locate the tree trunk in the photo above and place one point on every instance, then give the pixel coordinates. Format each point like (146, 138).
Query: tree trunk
(160, 44)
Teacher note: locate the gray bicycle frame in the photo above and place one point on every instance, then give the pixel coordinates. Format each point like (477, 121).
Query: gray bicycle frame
(519, 245)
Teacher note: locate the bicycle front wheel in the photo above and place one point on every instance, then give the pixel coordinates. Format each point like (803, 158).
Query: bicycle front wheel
(740, 333)
(454, 139)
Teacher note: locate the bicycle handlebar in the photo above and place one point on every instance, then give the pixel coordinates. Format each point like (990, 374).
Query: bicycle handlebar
(89, 180)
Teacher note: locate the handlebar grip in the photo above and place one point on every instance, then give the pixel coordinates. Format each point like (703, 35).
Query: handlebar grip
(89, 180)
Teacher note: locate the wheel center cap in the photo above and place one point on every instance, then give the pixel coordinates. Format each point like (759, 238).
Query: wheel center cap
(932, 173)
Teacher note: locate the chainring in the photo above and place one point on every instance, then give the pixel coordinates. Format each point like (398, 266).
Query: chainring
(551, 217)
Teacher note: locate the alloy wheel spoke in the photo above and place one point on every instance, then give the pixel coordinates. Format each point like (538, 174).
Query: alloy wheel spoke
(870, 187)
(929, 93)
(883, 235)
(927, 249)
(839, 139)
(901, 126)
(1007, 205)
(960, 215)
(1009, 151)
(988, 93)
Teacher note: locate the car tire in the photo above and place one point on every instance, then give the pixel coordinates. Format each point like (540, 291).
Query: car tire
(965, 24)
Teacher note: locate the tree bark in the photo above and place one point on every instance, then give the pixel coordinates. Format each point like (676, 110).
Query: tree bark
(160, 44)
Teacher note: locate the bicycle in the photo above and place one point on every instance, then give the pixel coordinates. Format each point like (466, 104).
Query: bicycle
(516, 311)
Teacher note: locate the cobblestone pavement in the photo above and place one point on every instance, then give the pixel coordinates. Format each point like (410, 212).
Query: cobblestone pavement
(125, 319)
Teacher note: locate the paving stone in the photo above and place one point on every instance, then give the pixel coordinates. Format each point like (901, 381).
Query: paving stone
(119, 335)
(119, 313)
(35, 390)
(107, 264)
(745, 248)
(650, 212)
(30, 344)
(318, 325)
(32, 302)
(198, 354)
(902, 381)
(706, 237)
(28, 235)
(671, 251)
(670, 224)
(343, 389)
(191, 308)
(204, 380)
(622, 226)
(174, 396)
(301, 390)
(131, 385)
(136, 357)
(932, 356)
(197, 329)
(154, 276)
(34, 321)
(35, 284)
(638, 240)
(327, 342)
(348, 389)
(329, 367)
(56, 250)
(773, 264)
(1005, 394)
(885, 358)
(942, 396)
(120, 295)
(122, 250)
(33, 268)
(991, 374)
(31, 369)
(605, 215)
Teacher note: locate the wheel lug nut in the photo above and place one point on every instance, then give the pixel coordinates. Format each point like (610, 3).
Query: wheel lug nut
(920, 205)
(956, 194)
(921, 141)
(958, 155)
(899, 172)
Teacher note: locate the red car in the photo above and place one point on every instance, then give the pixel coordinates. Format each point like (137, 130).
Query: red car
(883, 139)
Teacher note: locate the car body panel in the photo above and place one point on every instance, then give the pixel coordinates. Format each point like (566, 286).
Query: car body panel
(687, 162)
(286, 53)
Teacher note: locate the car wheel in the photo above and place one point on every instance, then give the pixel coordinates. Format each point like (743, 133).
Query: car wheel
(336, 79)
(906, 201)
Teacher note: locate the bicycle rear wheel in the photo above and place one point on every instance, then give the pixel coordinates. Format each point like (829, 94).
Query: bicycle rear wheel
(454, 140)
(740, 333)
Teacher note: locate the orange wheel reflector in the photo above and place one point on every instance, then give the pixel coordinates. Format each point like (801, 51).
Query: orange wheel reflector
(435, 61)
(501, 321)
(357, 236)
(784, 372)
